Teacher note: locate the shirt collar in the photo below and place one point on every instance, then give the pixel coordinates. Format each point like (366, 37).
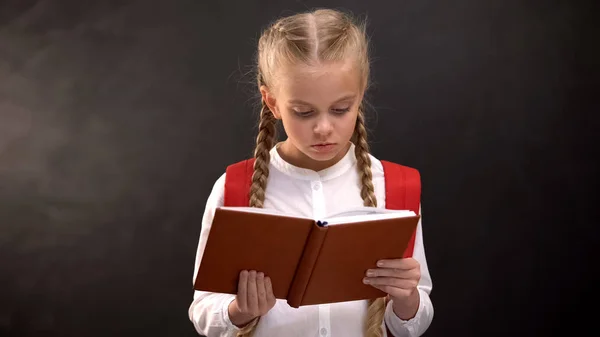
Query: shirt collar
(331, 172)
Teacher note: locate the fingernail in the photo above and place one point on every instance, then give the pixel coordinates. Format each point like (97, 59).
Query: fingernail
(370, 273)
(380, 263)
(366, 280)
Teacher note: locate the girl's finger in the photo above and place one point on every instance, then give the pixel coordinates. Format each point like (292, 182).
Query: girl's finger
(406, 263)
(252, 292)
(270, 296)
(391, 282)
(393, 291)
(261, 292)
(242, 294)
(392, 272)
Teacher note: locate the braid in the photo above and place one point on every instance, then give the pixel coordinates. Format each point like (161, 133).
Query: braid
(248, 329)
(264, 143)
(376, 309)
(361, 151)
(375, 316)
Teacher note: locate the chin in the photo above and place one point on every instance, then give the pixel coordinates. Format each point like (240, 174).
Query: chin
(322, 157)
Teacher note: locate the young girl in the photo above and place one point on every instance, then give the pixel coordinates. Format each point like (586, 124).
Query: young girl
(313, 71)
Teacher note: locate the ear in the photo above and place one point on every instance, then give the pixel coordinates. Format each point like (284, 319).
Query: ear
(270, 101)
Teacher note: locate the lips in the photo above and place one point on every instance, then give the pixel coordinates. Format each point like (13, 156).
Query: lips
(323, 147)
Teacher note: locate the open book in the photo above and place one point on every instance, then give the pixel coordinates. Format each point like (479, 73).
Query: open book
(309, 261)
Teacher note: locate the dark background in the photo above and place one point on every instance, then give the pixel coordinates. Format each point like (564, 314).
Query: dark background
(116, 117)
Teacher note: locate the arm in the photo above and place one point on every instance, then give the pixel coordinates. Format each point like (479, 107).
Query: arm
(413, 324)
(209, 311)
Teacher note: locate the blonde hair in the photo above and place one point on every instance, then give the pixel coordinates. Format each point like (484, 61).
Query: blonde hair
(322, 35)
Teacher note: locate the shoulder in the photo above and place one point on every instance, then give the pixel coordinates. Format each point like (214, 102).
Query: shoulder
(242, 166)
(376, 166)
(237, 182)
(217, 194)
(401, 183)
(381, 168)
(236, 175)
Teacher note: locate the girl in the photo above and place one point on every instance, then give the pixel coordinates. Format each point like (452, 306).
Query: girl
(313, 71)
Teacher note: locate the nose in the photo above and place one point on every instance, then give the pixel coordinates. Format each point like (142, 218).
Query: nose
(324, 126)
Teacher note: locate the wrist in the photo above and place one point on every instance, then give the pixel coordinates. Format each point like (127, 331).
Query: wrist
(406, 308)
(237, 317)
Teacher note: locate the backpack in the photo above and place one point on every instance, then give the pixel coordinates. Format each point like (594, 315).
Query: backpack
(402, 188)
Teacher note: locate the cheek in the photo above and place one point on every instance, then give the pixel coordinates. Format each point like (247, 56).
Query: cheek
(296, 128)
(349, 122)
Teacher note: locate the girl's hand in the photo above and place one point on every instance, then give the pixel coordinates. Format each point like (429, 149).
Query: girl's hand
(254, 298)
(399, 279)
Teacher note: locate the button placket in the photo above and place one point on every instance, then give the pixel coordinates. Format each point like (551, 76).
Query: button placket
(318, 199)
(318, 213)
(324, 320)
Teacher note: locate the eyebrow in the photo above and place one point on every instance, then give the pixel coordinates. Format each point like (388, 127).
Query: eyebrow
(344, 98)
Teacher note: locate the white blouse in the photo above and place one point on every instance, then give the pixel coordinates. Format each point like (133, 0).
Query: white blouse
(313, 194)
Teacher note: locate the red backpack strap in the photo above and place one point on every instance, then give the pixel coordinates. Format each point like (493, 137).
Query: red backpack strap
(238, 179)
(402, 191)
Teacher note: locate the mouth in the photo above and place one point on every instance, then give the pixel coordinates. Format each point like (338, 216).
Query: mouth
(323, 147)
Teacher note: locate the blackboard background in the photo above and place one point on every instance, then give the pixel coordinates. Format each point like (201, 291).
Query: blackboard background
(116, 117)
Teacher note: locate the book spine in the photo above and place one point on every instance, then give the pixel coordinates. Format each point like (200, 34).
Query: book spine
(306, 265)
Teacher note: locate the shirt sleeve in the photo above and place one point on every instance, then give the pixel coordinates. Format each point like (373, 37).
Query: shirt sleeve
(417, 325)
(209, 311)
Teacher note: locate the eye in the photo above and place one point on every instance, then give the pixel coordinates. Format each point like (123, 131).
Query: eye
(341, 111)
(303, 113)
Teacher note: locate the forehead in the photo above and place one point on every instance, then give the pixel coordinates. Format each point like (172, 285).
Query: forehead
(319, 83)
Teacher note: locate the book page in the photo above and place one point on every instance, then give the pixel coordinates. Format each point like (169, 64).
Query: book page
(366, 214)
(350, 215)
(261, 211)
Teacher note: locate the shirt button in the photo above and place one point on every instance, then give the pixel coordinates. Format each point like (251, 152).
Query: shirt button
(316, 186)
(323, 331)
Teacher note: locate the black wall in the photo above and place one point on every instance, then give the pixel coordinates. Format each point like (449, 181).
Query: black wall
(116, 117)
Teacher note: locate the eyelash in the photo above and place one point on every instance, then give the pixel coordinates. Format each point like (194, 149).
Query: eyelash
(307, 113)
